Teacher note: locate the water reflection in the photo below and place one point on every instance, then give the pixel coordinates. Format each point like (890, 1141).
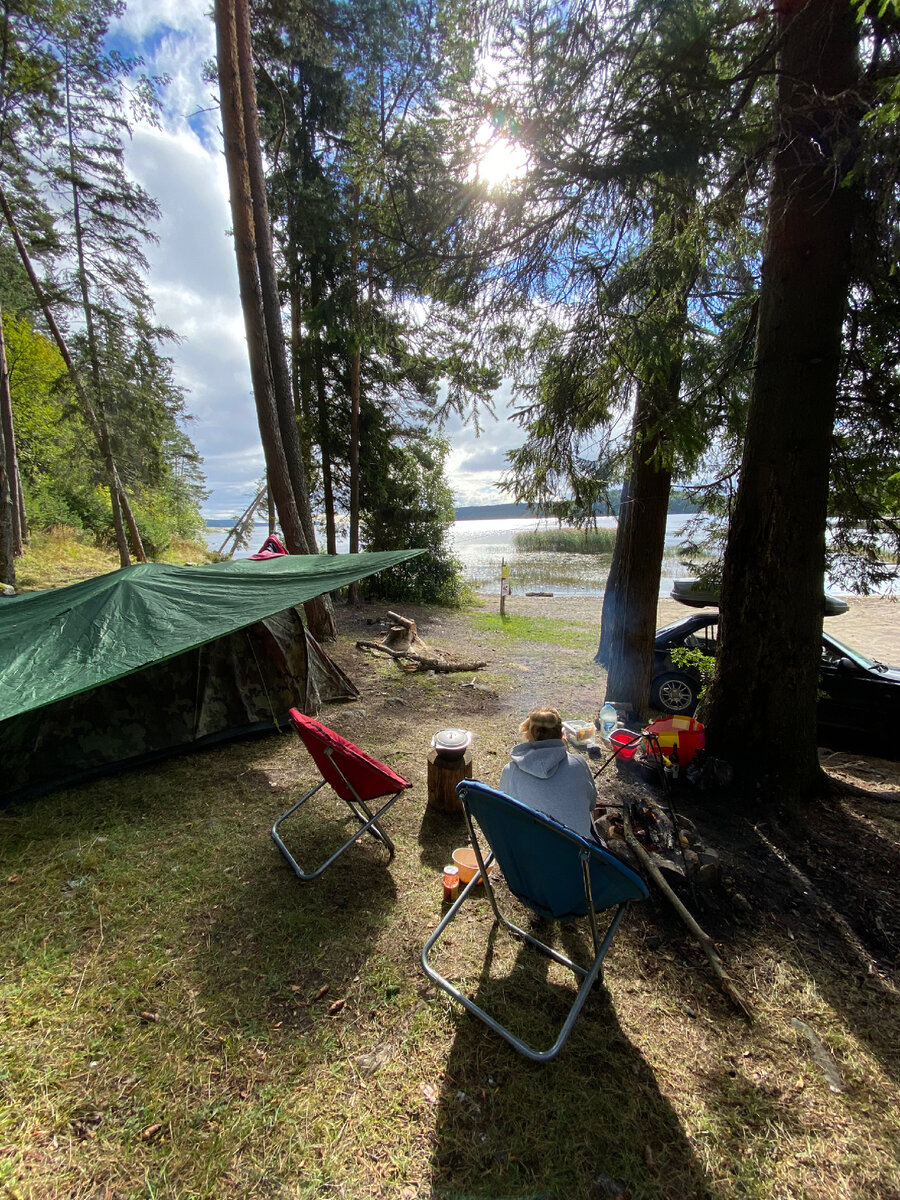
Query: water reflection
(481, 547)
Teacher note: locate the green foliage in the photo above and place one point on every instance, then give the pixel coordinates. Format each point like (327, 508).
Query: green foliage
(66, 103)
(407, 505)
(703, 664)
(57, 461)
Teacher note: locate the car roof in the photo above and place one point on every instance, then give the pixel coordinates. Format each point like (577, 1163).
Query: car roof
(696, 621)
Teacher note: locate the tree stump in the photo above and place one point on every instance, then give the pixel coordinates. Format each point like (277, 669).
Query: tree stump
(443, 776)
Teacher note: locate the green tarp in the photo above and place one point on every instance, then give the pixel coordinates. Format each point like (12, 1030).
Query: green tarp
(57, 643)
(152, 659)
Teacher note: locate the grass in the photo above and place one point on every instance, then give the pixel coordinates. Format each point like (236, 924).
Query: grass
(517, 628)
(58, 557)
(170, 1026)
(180, 1017)
(566, 541)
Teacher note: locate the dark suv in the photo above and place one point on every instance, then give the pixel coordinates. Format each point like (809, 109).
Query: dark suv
(862, 696)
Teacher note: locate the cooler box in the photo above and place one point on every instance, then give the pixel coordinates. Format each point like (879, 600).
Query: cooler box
(684, 732)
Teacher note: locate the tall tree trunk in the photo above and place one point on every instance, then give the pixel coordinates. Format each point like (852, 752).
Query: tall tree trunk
(301, 371)
(322, 413)
(318, 614)
(118, 499)
(631, 598)
(353, 590)
(325, 449)
(7, 547)
(10, 459)
(95, 422)
(271, 300)
(761, 707)
(270, 508)
(7, 506)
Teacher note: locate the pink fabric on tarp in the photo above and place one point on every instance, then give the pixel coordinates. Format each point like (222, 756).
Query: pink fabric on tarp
(368, 776)
(271, 548)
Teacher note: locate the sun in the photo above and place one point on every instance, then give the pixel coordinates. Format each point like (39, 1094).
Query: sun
(498, 161)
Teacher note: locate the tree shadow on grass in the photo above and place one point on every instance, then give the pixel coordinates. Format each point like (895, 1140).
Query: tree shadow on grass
(273, 949)
(187, 843)
(820, 896)
(592, 1123)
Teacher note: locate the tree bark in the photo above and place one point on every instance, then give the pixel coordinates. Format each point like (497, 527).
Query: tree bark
(229, 47)
(322, 414)
(10, 459)
(7, 538)
(630, 602)
(325, 449)
(268, 283)
(760, 710)
(248, 276)
(353, 591)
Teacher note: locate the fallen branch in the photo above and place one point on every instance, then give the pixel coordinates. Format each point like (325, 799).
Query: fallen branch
(419, 661)
(700, 936)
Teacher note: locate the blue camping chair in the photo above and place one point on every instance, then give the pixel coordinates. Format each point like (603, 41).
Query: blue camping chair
(553, 871)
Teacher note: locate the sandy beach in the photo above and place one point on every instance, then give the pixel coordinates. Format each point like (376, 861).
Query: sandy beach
(872, 625)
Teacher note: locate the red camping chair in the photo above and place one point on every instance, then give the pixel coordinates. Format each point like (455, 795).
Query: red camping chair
(355, 777)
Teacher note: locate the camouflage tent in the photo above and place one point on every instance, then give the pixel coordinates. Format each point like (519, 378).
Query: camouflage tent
(153, 659)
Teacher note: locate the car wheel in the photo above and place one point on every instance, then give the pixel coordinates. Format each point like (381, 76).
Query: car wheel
(674, 693)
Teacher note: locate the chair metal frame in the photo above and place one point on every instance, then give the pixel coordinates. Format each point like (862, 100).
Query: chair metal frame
(369, 821)
(587, 975)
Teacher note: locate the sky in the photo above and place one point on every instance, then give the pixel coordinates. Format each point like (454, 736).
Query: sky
(193, 278)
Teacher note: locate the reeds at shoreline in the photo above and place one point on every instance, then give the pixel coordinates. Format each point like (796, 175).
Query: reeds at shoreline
(566, 541)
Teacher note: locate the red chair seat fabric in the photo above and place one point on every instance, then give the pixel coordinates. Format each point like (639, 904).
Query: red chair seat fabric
(342, 763)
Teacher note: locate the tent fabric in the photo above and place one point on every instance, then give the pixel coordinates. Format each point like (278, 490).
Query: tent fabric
(151, 660)
(68, 640)
(239, 684)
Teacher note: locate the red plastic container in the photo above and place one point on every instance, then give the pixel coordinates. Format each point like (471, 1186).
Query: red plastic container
(684, 732)
(625, 742)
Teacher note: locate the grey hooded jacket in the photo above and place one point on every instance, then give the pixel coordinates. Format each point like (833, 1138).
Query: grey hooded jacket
(546, 777)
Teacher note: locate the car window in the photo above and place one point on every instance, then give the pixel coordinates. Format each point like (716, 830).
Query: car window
(835, 650)
(707, 639)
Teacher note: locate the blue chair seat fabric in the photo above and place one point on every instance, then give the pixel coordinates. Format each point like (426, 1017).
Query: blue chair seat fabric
(554, 872)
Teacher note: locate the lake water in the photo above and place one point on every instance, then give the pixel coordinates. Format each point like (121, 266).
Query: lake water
(482, 545)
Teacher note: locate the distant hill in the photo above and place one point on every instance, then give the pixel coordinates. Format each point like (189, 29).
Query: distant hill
(678, 503)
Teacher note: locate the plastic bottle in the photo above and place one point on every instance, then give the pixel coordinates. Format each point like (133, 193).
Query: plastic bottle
(607, 720)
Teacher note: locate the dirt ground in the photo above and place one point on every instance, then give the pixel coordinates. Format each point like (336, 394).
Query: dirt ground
(835, 874)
